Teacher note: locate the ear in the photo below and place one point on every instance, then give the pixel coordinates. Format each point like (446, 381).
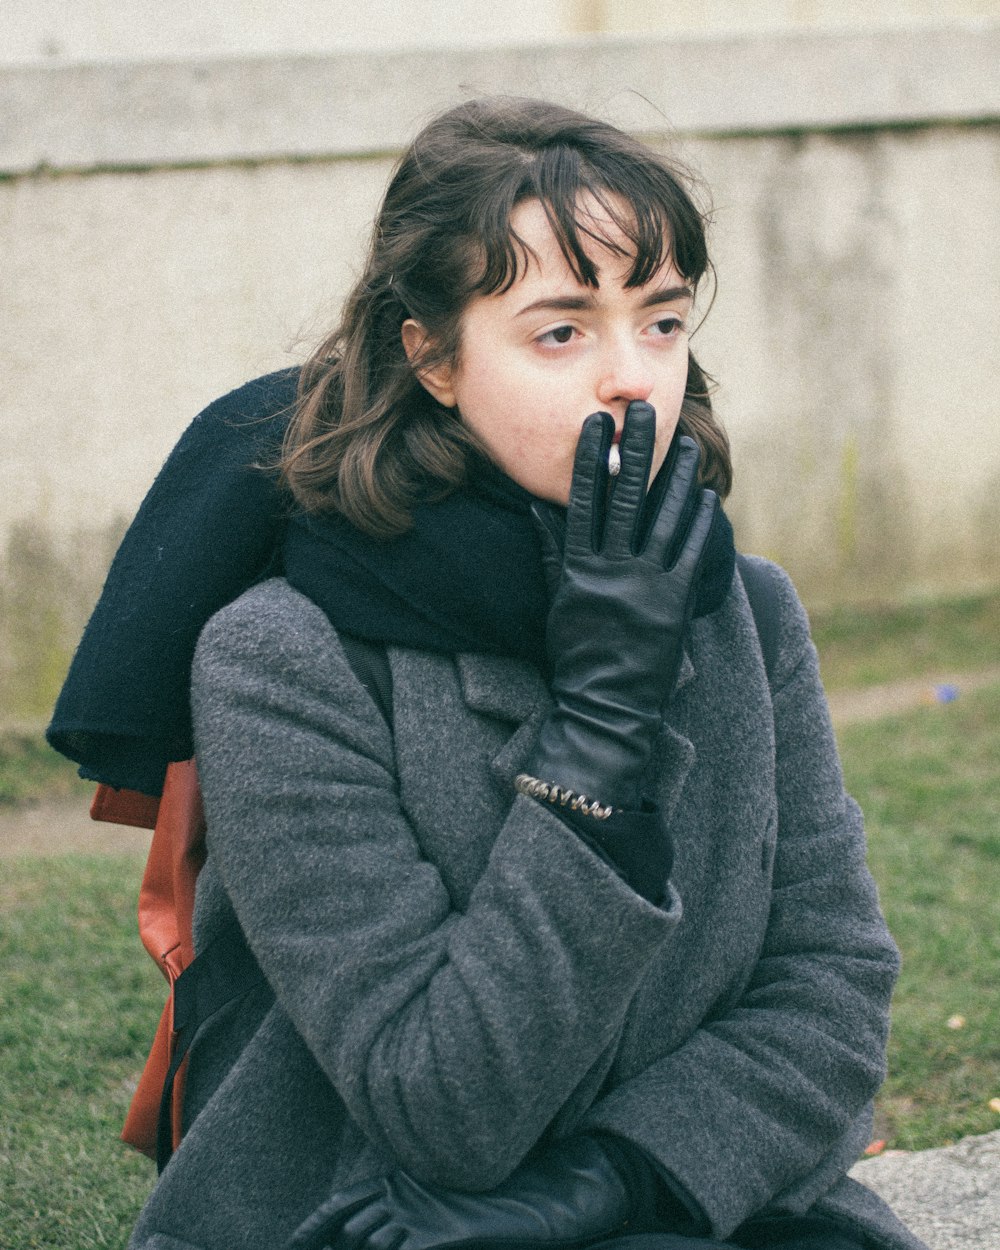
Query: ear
(438, 381)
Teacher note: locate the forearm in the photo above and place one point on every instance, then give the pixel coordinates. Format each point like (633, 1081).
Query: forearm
(458, 1059)
(453, 1035)
(774, 1087)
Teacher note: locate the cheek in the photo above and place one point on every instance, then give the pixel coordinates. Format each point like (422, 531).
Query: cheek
(538, 454)
(670, 409)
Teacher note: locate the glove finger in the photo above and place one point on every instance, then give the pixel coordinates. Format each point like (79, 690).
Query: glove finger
(550, 525)
(629, 491)
(365, 1223)
(657, 491)
(697, 538)
(585, 514)
(319, 1230)
(389, 1237)
(683, 481)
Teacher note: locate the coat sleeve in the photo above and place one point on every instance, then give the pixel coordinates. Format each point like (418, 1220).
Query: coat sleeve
(772, 1095)
(453, 1037)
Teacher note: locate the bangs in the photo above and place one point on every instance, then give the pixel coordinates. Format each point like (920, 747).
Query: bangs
(641, 199)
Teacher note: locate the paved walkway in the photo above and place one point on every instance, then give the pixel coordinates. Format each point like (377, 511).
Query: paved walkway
(47, 828)
(949, 1197)
(848, 707)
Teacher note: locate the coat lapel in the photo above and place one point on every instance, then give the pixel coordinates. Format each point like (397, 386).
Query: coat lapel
(502, 687)
(510, 690)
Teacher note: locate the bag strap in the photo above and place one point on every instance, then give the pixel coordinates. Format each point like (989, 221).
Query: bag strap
(371, 666)
(759, 583)
(222, 973)
(226, 969)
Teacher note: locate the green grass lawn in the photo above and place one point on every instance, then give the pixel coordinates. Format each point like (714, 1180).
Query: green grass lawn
(929, 784)
(79, 1001)
(866, 648)
(31, 770)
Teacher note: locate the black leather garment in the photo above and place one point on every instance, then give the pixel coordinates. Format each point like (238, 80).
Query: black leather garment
(567, 1196)
(624, 591)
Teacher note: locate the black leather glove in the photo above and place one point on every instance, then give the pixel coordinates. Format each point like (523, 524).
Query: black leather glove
(627, 574)
(569, 1194)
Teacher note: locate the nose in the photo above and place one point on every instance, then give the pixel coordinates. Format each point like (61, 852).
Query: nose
(624, 376)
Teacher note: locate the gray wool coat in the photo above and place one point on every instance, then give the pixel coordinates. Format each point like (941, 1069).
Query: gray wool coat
(453, 976)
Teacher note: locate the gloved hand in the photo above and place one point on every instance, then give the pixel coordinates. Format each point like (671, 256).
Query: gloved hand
(627, 574)
(570, 1193)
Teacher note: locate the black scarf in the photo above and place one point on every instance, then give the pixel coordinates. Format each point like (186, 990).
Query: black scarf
(467, 577)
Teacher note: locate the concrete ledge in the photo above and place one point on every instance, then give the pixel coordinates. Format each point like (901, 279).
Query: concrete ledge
(138, 115)
(949, 1197)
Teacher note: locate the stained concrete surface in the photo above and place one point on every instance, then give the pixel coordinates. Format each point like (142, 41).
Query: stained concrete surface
(950, 1197)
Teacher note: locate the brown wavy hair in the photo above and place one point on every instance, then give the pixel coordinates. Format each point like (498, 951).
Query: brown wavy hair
(366, 439)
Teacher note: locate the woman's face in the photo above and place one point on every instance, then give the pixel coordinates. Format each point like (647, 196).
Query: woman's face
(535, 360)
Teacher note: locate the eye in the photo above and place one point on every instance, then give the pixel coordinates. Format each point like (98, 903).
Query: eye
(559, 335)
(667, 327)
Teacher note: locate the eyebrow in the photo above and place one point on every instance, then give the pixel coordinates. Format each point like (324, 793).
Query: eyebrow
(576, 303)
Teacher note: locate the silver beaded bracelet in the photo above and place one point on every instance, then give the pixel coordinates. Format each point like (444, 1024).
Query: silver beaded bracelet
(524, 783)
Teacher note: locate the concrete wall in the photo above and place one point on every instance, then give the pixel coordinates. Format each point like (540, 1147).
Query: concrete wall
(90, 30)
(100, 30)
(699, 16)
(168, 230)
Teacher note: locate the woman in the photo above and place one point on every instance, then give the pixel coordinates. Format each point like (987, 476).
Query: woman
(571, 940)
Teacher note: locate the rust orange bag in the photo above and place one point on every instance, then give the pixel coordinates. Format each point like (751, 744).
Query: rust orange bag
(166, 910)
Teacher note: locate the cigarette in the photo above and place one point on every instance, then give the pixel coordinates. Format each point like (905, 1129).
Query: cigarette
(614, 461)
